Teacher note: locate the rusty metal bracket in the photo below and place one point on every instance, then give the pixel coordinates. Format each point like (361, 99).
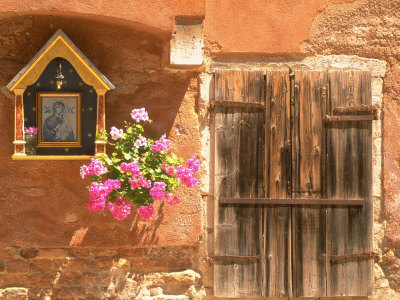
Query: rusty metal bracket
(365, 108)
(354, 256)
(352, 118)
(215, 103)
(229, 258)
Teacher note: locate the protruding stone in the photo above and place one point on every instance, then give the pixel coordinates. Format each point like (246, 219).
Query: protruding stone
(28, 253)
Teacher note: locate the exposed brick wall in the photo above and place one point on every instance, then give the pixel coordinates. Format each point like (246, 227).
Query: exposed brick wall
(86, 272)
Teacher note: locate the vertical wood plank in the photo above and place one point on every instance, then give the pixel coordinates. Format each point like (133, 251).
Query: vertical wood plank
(309, 245)
(239, 85)
(239, 151)
(349, 160)
(278, 276)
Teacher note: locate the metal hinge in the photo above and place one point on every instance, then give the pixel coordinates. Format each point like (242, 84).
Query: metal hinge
(354, 256)
(228, 258)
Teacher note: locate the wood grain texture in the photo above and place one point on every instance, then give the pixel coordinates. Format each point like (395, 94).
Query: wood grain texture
(239, 171)
(278, 269)
(308, 223)
(349, 152)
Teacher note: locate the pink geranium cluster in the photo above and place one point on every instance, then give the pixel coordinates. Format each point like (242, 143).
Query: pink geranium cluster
(31, 130)
(116, 133)
(120, 209)
(146, 212)
(132, 167)
(162, 144)
(142, 141)
(133, 176)
(157, 191)
(99, 191)
(94, 168)
(139, 115)
(140, 182)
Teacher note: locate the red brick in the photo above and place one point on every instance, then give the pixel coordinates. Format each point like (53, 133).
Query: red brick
(103, 263)
(60, 263)
(28, 253)
(89, 279)
(180, 252)
(104, 252)
(156, 252)
(7, 280)
(146, 264)
(137, 252)
(41, 265)
(17, 266)
(79, 265)
(35, 293)
(6, 253)
(51, 253)
(77, 252)
(92, 293)
(179, 264)
(69, 279)
(68, 293)
(2, 266)
(44, 280)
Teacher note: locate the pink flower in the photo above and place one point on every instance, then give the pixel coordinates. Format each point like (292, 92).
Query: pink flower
(162, 144)
(164, 166)
(157, 191)
(185, 175)
(120, 209)
(146, 212)
(31, 130)
(97, 204)
(175, 200)
(112, 184)
(132, 167)
(116, 133)
(171, 171)
(139, 115)
(140, 142)
(140, 182)
(193, 164)
(94, 168)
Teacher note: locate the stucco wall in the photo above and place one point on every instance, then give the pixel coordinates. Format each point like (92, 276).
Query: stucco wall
(44, 202)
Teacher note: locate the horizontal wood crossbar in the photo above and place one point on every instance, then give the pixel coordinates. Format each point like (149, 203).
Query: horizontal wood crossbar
(227, 258)
(293, 201)
(215, 103)
(354, 256)
(352, 118)
(367, 108)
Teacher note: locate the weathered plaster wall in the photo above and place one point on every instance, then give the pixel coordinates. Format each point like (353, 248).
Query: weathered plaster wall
(43, 203)
(155, 15)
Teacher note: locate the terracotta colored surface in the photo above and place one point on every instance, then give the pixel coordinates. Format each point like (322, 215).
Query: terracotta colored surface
(158, 14)
(45, 202)
(253, 26)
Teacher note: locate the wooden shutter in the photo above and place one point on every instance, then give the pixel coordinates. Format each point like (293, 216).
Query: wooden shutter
(349, 161)
(238, 172)
(292, 250)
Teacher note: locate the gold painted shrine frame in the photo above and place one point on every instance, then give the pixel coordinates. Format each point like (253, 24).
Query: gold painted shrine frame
(58, 117)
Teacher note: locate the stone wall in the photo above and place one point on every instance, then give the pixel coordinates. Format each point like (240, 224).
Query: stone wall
(99, 272)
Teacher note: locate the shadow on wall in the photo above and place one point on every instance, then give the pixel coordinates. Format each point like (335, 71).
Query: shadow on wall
(44, 202)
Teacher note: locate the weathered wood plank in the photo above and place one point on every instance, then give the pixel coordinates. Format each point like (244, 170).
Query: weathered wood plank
(238, 173)
(278, 276)
(294, 201)
(239, 85)
(349, 158)
(309, 244)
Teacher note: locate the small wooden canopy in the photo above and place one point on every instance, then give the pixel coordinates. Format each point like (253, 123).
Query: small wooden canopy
(59, 45)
